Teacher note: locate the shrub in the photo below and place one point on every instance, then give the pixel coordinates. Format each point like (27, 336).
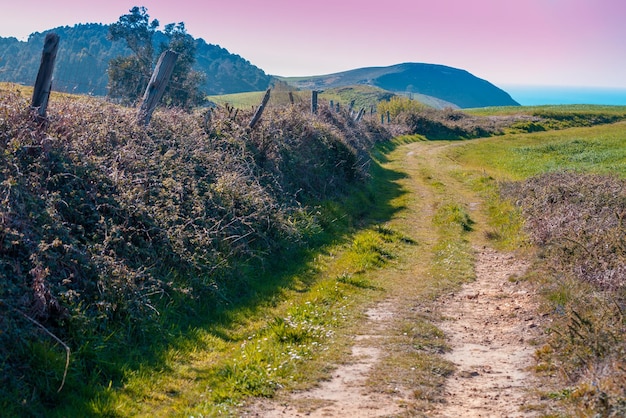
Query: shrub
(104, 223)
(577, 221)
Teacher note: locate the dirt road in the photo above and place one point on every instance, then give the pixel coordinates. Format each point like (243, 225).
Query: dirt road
(489, 326)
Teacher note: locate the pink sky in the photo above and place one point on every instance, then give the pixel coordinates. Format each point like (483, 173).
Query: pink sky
(540, 42)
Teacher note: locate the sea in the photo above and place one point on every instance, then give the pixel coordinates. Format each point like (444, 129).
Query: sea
(553, 95)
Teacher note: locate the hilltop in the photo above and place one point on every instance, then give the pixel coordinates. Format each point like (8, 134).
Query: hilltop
(449, 84)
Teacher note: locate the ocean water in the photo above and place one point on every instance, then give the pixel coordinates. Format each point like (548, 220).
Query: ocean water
(552, 95)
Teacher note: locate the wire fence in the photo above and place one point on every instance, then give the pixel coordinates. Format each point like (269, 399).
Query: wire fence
(69, 77)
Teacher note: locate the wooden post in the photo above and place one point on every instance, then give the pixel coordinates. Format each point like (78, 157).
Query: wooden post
(360, 114)
(338, 107)
(332, 105)
(259, 111)
(43, 84)
(388, 117)
(382, 119)
(314, 101)
(156, 86)
(291, 98)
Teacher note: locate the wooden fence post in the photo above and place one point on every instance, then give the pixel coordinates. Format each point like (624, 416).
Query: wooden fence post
(43, 84)
(156, 86)
(259, 111)
(314, 101)
(388, 117)
(291, 98)
(360, 114)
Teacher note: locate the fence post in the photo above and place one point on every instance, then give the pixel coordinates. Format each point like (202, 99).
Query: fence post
(388, 117)
(259, 111)
(156, 86)
(291, 98)
(43, 84)
(360, 114)
(314, 101)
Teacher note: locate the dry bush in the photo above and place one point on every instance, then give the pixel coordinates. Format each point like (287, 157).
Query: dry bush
(103, 222)
(450, 124)
(577, 222)
(579, 219)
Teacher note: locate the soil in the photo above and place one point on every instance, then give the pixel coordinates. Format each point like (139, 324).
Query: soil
(491, 330)
(490, 327)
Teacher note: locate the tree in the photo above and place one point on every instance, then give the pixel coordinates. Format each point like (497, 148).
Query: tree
(184, 87)
(128, 76)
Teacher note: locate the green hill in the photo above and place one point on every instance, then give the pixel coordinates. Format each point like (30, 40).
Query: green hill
(452, 85)
(84, 55)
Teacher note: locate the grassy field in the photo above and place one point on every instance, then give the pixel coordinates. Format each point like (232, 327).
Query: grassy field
(599, 149)
(362, 96)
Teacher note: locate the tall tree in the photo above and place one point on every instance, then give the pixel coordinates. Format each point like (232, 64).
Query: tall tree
(128, 76)
(184, 87)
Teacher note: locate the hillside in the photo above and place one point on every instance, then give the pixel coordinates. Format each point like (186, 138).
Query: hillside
(85, 52)
(445, 83)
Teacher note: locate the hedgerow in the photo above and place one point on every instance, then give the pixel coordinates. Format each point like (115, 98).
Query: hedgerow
(577, 222)
(104, 223)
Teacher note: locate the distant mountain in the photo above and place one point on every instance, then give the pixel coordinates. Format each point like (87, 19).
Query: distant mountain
(84, 54)
(449, 84)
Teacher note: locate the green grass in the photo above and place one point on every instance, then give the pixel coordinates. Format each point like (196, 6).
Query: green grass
(598, 149)
(565, 110)
(252, 100)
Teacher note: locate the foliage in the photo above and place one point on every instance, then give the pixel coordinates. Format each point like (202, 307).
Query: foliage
(108, 229)
(398, 105)
(183, 88)
(448, 124)
(85, 53)
(128, 76)
(577, 222)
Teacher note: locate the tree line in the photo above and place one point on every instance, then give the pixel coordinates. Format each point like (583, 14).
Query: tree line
(87, 51)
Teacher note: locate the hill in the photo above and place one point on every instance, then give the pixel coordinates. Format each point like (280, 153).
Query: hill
(85, 52)
(445, 83)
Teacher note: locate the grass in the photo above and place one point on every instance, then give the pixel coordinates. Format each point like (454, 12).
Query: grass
(361, 96)
(599, 149)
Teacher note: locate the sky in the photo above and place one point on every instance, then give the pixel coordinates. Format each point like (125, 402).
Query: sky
(507, 42)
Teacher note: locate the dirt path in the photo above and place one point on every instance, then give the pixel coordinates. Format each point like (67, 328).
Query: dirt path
(491, 328)
(346, 394)
(488, 324)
